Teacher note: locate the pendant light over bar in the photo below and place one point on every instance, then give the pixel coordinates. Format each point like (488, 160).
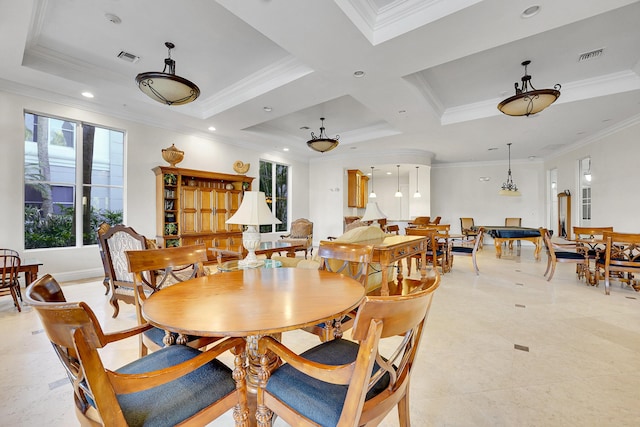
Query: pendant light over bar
(372, 195)
(398, 193)
(417, 194)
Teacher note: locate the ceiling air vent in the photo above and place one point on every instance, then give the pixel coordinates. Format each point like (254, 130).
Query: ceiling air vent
(591, 55)
(129, 57)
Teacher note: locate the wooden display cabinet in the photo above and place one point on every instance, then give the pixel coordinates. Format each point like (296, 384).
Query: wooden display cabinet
(358, 195)
(192, 207)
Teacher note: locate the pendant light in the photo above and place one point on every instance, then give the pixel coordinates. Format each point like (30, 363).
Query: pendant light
(526, 102)
(322, 143)
(398, 193)
(509, 188)
(166, 87)
(372, 195)
(417, 194)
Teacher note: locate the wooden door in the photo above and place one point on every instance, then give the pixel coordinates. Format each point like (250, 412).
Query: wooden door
(189, 199)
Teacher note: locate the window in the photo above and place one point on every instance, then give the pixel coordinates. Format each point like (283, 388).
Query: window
(585, 191)
(274, 179)
(73, 181)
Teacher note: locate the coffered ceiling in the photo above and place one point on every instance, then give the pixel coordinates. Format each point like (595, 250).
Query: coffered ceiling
(434, 70)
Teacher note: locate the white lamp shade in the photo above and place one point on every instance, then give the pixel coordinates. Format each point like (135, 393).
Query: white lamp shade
(372, 212)
(253, 211)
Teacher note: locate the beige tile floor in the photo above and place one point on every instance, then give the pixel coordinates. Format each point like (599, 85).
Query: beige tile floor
(582, 367)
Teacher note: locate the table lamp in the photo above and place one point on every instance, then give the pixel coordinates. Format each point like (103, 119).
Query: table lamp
(253, 211)
(373, 213)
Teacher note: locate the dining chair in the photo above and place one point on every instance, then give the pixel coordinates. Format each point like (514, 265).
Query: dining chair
(9, 269)
(468, 247)
(392, 229)
(590, 242)
(155, 269)
(349, 382)
(622, 255)
(557, 252)
(103, 228)
(349, 259)
(513, 222)
(467, 227)
(175, 385)
(114, 243)
(436, 253)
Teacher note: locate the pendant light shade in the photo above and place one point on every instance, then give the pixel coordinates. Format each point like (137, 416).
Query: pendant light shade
(398, 193)
(417, 194)
(322, 143)
(526, 102)
(372, 195)
(166, 87)
(509, 188)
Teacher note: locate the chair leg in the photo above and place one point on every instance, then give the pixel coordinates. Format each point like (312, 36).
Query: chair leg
(105, 282)
(548, 266)
(404, 411)
(553, 269)
(114, 302)
(14, 294)
(475, 264)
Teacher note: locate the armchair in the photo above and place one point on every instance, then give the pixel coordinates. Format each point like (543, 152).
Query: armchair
(177, 385)
(557, 252)
(114, 242)
(467, 227)
(342, 382)
(301, 233)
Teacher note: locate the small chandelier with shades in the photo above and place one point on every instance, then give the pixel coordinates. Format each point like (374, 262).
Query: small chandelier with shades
(509, 188)
(526, 102)
(166, 87)
(322, 143)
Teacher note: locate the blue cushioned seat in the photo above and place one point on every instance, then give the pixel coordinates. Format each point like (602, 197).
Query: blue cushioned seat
(462, 249)
(319, 401)
(512, 234)
(171, 403)
(569, 255)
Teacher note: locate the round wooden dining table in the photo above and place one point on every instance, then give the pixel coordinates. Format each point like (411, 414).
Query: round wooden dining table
(253, 303)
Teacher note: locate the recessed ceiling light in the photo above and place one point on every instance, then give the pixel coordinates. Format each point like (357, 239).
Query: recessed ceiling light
(530, 11)
(532, 157)
(87, 94)
(358, 74)
(267, 109)
(484, 178)
(304, 127)
(389, 173)
(114, 19)
(402, 111)
(211, 128)
(492, 149)
(285, 149)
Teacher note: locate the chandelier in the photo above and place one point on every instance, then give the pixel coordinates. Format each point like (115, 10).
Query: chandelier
(321, 142)
(509, 188)
(166, 87)
(526, 102)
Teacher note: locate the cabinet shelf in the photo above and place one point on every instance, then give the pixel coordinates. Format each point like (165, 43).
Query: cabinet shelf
(200, 203)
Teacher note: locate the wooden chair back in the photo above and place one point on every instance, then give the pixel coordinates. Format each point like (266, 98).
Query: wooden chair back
(622, 255)
(350, 259)
(392, 229)
(9, 267)
(513, 222)
(376, 373)
(436, 220)
(77, 337)
(420, 221)
(562, 252)
(434, 253)
(166, 267)
(115, 242)
(301, 233)
(467, 227)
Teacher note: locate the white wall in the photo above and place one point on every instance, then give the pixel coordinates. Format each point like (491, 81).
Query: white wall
(143, 152)
(456, 191)
(614, 170)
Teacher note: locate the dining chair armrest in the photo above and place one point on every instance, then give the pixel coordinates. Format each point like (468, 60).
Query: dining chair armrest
(127, 333)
